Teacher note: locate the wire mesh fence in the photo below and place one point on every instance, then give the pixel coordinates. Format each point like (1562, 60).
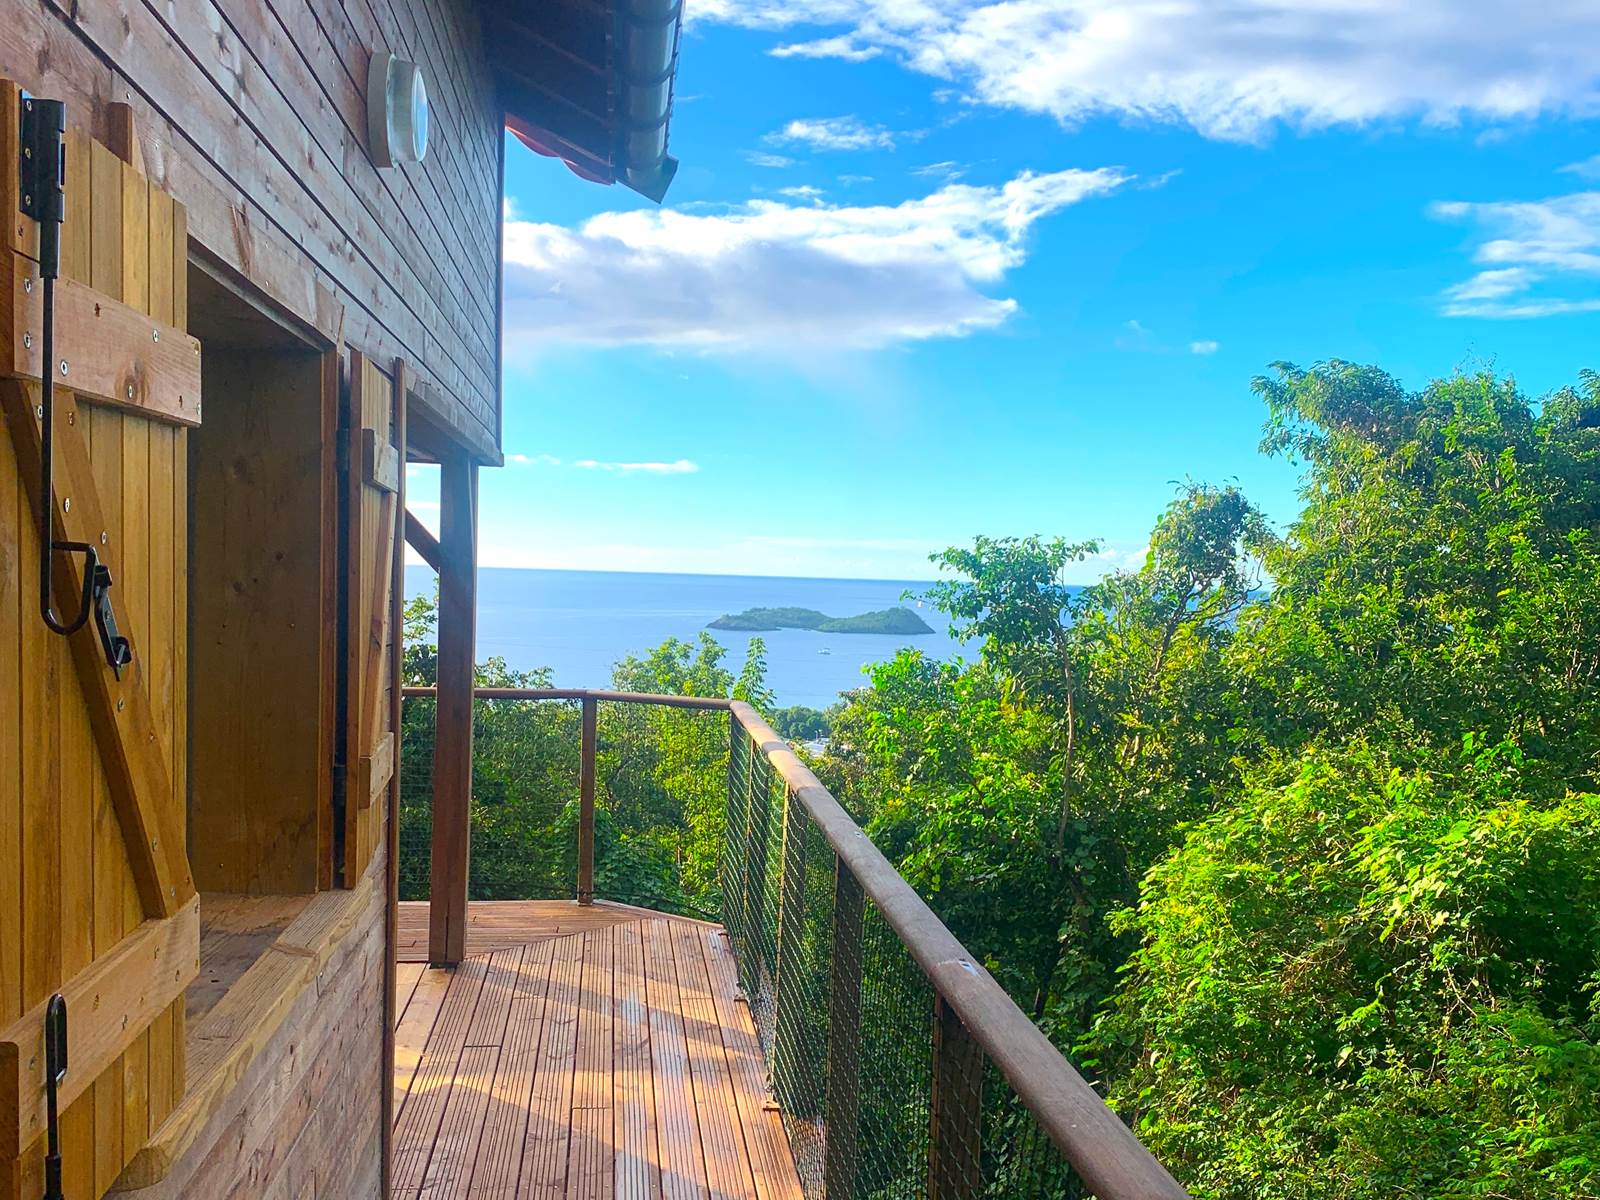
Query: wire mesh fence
(883, 1091)
(415, 818)
(659, 804)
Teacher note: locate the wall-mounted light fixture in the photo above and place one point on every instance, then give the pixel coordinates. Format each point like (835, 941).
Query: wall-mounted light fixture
(397, 110)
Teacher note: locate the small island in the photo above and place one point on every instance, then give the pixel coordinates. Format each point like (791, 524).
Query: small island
(765, 620)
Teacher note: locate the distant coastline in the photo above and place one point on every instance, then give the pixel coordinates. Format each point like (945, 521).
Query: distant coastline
(898, 621)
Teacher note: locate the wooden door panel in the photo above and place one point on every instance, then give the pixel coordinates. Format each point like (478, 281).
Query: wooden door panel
(93, 868)
(373, 540)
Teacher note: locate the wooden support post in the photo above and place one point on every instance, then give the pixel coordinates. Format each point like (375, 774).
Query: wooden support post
(955, 1113)
(789, 1019)
(586, 802)
(844, 1038)
(452, 756)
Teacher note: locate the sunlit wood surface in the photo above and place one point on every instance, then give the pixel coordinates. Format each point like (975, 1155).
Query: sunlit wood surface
(496, 924)
(615, 1061)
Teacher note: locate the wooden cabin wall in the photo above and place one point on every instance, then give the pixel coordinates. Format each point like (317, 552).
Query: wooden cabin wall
(65, 881)
(253, 114)
(304, 1119)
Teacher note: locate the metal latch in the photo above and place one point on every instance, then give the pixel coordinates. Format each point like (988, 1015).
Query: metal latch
(42, 176)
(55, 1070)
(117, 649)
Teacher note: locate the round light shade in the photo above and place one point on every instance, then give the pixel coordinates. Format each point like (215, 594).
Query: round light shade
(397, 110)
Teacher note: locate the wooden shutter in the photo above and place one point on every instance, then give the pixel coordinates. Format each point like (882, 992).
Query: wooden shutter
(95, 894)
(375, 458)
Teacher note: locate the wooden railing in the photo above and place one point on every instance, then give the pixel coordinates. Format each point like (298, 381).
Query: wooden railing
(777, 809)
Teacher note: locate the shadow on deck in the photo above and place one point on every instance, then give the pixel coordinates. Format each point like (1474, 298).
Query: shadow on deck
(581, 1052)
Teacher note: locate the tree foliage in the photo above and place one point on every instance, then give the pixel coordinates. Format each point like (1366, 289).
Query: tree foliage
(1292, 839)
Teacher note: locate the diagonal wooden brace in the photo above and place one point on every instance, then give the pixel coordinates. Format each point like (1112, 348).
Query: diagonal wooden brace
(119, 709)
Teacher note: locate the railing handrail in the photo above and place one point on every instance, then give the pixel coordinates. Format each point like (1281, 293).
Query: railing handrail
(1093, 1138)
(1101, 1149)
(599, 694)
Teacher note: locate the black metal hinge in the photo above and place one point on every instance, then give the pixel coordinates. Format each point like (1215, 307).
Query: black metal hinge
(55, 1070)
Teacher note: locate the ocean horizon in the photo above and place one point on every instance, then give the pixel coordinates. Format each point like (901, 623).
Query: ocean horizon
(581, 623)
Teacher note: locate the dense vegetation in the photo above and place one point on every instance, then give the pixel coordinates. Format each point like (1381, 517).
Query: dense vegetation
(764, 620)
(1291, 838)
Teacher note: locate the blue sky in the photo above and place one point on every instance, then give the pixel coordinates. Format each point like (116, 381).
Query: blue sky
(930, 271)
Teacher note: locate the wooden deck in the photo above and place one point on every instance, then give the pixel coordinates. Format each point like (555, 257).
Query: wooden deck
(496, 924)
(603, 1055)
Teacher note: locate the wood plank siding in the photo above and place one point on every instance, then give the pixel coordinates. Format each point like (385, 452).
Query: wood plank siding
(252, 114)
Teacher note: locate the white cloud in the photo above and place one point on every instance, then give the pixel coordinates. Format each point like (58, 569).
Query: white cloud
(946, 170)
(834, 133)
(759, 158)
(787, 278)
(802, 191)
(1533, 253)
(681, 466)
(842, 47)
(1588, 168)
(1229, 70)
(1204, 346)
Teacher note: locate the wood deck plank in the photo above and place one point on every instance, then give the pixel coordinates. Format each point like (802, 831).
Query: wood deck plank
(544, 1148)
(417, 1128)
(728, 1170)
(683, 1163)
(589, 1156)
(499, 1164)
(405, 982)
(638, 1163)
(771, 1159)
(611, 1063)
(496, 924)
(488, 1026)
(416, 1026)
(455, 1150)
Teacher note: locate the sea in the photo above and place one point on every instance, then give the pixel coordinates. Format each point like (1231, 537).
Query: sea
(580, 623)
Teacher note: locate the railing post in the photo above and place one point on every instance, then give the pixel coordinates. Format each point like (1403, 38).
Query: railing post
(844, 1039)
(586, 771)
(955, 1113)
(789, 986)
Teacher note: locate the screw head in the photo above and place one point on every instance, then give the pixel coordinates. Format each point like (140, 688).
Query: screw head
(63, 366)
(155, 335)
(39, 412)
(130, 391)
(27, 284)
(27, 341)
(66, 504)
(103, 538)
(121, 704)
